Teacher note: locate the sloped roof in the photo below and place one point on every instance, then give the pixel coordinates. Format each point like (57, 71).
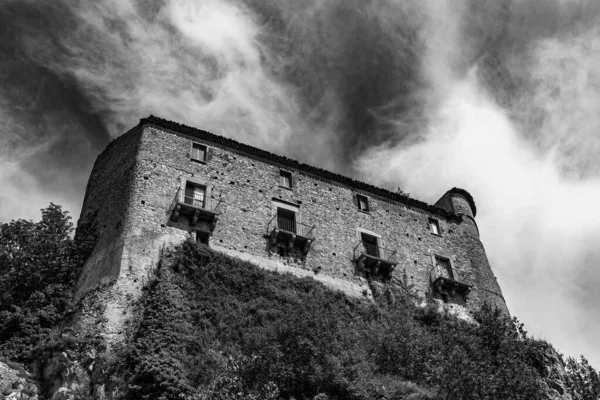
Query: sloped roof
(294, 164)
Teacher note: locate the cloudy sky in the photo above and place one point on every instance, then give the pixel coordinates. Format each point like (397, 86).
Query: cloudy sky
(500, 97)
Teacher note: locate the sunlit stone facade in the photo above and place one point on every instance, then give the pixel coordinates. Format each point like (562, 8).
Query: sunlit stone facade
(162, 183)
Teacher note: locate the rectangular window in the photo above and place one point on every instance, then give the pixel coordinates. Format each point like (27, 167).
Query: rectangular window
(198, 152)
(285, 179)
(286, 220)
(363, 203)
(195, 195)
(202, 238)
(370, 245)
(443, 266)
(434, 225)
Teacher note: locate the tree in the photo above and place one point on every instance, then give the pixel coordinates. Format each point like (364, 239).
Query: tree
(39, 265)
(583, 381)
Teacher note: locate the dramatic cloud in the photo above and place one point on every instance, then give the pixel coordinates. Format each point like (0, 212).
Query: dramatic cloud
(540, 229)
(497, 96)
(528, 154)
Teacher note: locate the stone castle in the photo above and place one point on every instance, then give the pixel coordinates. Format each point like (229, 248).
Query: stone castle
(162, 183)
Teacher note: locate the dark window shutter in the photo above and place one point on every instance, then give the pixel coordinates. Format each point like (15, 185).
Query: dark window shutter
(208, 154)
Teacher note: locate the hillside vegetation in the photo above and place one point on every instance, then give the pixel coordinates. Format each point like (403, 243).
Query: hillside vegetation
(211, 327)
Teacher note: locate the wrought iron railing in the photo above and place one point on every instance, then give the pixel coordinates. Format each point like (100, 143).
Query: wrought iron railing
(371, 249)
(197, 200)
(447, 284)
(291, 226)
(441, 271)
(376, 251)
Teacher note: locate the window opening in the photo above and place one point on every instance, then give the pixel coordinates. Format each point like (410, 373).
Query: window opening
(434, 225)
(282, 251)
(363, 203)
(285, 179)
(443, 267)
(202, 238)
(198, 152)
(195, 195)
(370, 244)
(286, 220)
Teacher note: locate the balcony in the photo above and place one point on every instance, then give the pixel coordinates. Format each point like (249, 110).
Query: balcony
(375, 259)
(202, 211)
(290, 232)
(448, 289)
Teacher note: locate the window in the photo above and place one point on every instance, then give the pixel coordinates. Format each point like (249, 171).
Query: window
(202, 238)
(443, 266)
(198, 152)
(286, 220)
(370, 245)
(434, 225)
(285, 179)
(195, 195)
(363, 203)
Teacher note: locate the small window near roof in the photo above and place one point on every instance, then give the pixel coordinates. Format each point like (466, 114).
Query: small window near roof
(434, 225)
(363, 203)
(285, 179)
(198, 152)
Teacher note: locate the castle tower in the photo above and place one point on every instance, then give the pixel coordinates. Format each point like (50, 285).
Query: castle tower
(485, 285)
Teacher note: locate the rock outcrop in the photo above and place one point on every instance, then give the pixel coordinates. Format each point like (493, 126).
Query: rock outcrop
(16, 383)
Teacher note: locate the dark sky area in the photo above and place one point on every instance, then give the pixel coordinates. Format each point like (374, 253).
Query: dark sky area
(498, 96)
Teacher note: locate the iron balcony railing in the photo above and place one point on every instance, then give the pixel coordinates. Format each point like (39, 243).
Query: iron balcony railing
(441, 271)
(373, 250)
(197, 200)
(291, 226)
(447, 284)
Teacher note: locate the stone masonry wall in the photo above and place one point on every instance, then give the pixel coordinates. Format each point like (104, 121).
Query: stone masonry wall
(249, 190)
(134, 183)
(106, 203)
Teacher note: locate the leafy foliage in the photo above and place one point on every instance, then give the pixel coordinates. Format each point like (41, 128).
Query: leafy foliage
(216, 327)
(39, 264)
(583, 381)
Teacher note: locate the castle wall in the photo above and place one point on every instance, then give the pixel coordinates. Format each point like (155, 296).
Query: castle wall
(133, 187)
(106, 203)
(249, 190)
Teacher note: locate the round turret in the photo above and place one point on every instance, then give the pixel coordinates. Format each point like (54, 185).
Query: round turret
(462, 202)
(484, 284)
(458, 201)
